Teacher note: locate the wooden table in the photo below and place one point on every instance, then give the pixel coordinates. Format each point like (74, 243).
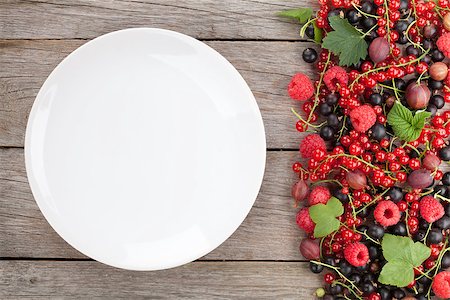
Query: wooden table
(261, 260)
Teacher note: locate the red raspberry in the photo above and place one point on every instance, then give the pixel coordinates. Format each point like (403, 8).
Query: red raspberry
(335, 75)
(300, 88)
(443, 44)
(356, 254)
(319, 194)
(387, 213)
(363, 118)
(304, 221)
(441, 285)
(431, 209)
(310, 143)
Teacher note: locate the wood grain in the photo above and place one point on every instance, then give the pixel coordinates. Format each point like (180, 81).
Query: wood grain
(198, 280)
(266, 66)
(268, 233)
(206, 19)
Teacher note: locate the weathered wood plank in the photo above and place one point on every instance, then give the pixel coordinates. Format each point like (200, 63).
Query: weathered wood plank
(207, 19)
(266, 66)
(198, 280)
(268, 233)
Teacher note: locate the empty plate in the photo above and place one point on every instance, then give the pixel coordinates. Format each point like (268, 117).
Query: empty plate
(145, 149)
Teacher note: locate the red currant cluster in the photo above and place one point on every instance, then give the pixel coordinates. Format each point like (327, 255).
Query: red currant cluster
(379, 137)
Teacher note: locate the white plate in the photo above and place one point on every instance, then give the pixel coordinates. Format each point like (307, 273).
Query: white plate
(145, 149)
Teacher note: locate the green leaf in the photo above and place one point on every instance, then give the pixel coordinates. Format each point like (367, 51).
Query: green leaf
(396, 247)
(396, 273)
(405, 125)
(346, 42)
(318, 33)
(324, 216)
(403, 255)
(419, 253)
(300, 14)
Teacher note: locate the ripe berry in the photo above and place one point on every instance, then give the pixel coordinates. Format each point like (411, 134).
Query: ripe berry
(329, 278)
(309, 55)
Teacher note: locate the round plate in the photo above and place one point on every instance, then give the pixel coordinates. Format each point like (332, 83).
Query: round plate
(145, 149)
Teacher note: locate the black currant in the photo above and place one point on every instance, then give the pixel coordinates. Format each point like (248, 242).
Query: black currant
(309, 55)
(438, 101)
(373, 252)
(315, 268)
(368, 23)
(378, 132)
(385, 293)
(327, 133)
(325, 109)
(426, 59)
(375, 231)
(401, 26)
(427, 44)
(398, 294)
(332, 99)
(446, 179)
(335, 289)
(330, 261)
(355, 277)
(411, 50)
(441, 190)
(420, 235)
(402, 40)
(437, 55)
(432, 109)
(444, 153)
(333, 121)
(434, 236)
(375, 99)
(353, 16)
(345, 267)
(443, 223)
(400, 229)
(445, 262)
(341, 196)
(395, 193)
(310, 31)
(367, 7)
(435, 85)
(367, 288)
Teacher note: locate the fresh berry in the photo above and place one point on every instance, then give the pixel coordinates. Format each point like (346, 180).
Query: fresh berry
(304, 220)
(319, 194)
(363, 118)
(431, 209)
(441, 285)
(356, 254)
(335, 76)
(300, 88)
(443, 44)
(387, 213)
(310, 143)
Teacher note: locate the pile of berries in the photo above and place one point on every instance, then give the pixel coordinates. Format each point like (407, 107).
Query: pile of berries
(351, 152)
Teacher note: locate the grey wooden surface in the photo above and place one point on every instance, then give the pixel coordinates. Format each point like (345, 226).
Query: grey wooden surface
(261, 259)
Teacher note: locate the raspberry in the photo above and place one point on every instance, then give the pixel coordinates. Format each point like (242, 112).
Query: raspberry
(387, 213)
(310, 143)
(430, 209)
(319, 194)
(363, 118)
(300, 87)
(335, 75)
(441, 285)
(356, 254)
(443, 44)
(304, 220)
